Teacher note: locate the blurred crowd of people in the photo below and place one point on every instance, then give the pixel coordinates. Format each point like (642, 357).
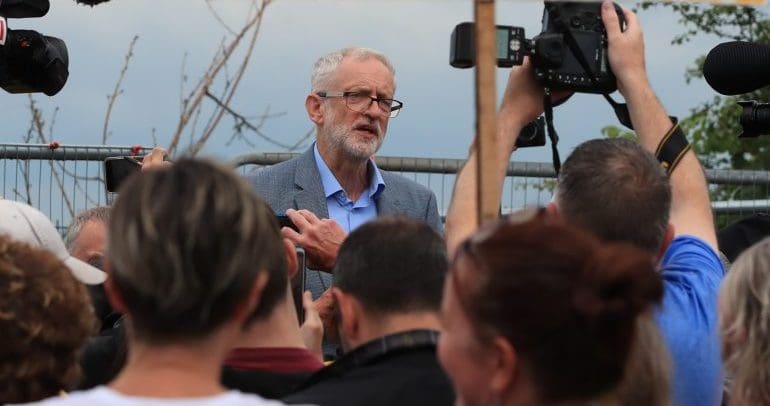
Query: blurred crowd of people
(188, 291)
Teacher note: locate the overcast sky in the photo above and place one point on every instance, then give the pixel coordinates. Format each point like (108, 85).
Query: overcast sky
(437, 120)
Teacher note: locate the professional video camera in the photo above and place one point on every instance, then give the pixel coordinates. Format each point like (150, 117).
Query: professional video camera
(30, 61)
(739, 67)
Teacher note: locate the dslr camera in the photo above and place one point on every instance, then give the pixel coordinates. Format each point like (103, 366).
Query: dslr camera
(570, 53)
(29, 61)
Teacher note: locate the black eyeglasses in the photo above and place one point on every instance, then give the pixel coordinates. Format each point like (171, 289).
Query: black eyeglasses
(360, 102)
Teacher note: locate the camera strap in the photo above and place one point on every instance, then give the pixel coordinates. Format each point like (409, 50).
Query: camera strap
(551, 130)
(621, 109)
(672, 148)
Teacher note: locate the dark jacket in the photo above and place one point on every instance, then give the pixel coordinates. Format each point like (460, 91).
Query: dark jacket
(400, 369)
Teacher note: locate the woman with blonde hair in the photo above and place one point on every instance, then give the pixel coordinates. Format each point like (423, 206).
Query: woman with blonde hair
(744, 312)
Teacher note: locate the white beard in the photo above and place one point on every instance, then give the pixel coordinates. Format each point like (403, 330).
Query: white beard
(341, 138)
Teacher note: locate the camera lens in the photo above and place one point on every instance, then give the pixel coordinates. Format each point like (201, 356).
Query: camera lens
(755, 118)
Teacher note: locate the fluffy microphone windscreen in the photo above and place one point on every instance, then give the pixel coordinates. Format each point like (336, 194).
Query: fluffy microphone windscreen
(737, 67)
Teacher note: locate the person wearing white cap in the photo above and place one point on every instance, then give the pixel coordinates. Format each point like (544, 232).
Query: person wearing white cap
(24, 223)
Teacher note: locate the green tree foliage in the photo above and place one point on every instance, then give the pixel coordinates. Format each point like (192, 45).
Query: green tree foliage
(713, 126)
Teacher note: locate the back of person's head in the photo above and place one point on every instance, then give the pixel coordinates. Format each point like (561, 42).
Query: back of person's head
(393, 265)
(565, 304)
(736, 237)
(45, 320)
(745, 325)
(617, 190)
(647, 380)
(186, 245)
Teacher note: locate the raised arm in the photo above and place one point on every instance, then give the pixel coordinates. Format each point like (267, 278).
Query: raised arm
(690, 207)
(522, 103)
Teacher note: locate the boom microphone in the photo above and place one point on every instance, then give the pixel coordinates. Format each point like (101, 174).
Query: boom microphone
(737, 67)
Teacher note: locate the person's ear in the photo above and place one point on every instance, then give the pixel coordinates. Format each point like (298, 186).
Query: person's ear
(667, 238)
(552, 210)
(114, 296)
(349, 320)
(313, 105)
(292, 263)
(505, 366)
(252, 300)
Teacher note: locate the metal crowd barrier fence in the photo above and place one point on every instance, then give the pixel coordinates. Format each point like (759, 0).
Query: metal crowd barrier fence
(531, 183)
(63, 180)
(59, 180)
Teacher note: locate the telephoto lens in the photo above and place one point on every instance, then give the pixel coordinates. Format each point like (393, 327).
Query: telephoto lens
(755, 119)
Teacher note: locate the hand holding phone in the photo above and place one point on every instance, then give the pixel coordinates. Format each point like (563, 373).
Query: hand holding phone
(298, 285)
(285, 221)
(118, 168)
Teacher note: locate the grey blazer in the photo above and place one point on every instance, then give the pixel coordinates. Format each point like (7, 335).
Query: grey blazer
(296, 184)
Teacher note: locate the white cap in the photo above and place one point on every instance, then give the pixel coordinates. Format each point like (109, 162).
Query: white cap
(26, 224)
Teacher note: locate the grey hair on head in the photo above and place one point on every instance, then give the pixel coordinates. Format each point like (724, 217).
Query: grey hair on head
(325, 66)
(100, 214)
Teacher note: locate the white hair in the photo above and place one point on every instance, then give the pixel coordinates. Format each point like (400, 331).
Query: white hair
(325, 66)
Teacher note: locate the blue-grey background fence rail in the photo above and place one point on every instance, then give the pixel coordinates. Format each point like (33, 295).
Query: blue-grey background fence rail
(60, 181)
(70, 178)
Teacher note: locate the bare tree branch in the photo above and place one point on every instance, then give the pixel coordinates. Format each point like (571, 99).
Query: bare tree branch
(301, 143)
(117, 91)
(238, 76)
(38, 125)
(219, 19)
(24, 169)
(243, 122)
(199, 93)
(183, 75)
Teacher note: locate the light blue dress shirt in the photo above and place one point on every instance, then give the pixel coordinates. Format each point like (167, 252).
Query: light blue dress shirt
(347, 213)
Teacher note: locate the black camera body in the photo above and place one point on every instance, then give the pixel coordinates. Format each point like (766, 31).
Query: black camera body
(30, 61)
(570, 53)
(571, 31)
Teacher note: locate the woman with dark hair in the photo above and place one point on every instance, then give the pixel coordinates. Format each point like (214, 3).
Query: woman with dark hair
(542, 313)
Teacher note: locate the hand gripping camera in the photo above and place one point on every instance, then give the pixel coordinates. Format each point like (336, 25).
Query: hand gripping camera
(30, 61)
(570, 53)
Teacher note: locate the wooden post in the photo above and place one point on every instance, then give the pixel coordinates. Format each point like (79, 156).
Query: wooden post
(487, 194)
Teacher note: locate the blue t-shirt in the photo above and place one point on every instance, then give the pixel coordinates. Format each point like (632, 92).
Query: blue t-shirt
(687, 319)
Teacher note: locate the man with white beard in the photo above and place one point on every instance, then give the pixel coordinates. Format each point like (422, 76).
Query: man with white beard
(335, 186)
